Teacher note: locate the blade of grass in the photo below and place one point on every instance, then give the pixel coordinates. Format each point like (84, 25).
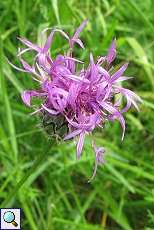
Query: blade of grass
(12, 78)
(138, 171)
(101, 20)
(140, 53)
(112, 209)
(4, 140)
(136, 122)
(77, 225)
(8, 118)
(140, 12)
(120, 177)
(14, 191)
(56, 11)
(27, 212)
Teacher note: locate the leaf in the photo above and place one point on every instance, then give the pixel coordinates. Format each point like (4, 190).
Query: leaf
(135, 122)
(19, 184)
(8, 111)
(55, 9)
(120, 177)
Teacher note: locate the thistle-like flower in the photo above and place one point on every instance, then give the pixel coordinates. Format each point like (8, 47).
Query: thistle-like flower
(84, 97)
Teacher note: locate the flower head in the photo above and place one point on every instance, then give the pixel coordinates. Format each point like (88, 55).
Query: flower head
(85, 97)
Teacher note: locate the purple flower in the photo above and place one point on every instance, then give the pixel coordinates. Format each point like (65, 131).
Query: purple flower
(85, 96)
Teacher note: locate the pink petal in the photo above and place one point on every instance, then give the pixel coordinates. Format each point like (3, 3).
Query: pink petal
(73, 93)
(111, 52)
(123, 79)
(116, 115)
(76, 34)
(76, 78)
(104, 73)
(51, 111)
(131, 97)
(62, 33)
(27, 94)
(108, 107)
(30, 44)
(79, 42)
(48, 42)
(77, 125)
(73, 134)
(93, 69)
(26, 97)
(80, 144)
(73, 59)
(49, 39)
(26, 66)
(79, 29)
(122, 122)
(119, 72)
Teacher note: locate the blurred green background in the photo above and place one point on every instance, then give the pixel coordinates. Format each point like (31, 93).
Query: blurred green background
(46, 180)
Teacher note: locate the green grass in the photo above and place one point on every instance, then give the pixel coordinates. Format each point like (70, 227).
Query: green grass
(44, 179)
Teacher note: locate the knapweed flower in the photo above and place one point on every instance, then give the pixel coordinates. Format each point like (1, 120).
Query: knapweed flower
(84, 97)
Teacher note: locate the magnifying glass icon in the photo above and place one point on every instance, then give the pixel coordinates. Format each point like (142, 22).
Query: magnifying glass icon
(9, 217)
